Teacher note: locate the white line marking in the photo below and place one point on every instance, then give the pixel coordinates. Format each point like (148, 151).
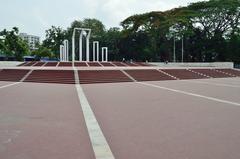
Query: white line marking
(229, 74)
(165, 73)
(87, 64)
(26, 63)
(57, 64)
(99, 143)
(9, 85)
(129, 76)
(191, 94)
(26, 76)
(201, 74)
(134, 64)
(113, 64)
(34, 64)
(124, 64)
(44, 64)
(216, 84)
(100, 64)
(23, 78)
(236, 69)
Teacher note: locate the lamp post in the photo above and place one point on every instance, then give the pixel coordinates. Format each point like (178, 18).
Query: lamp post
(182, 47)
(174, 48)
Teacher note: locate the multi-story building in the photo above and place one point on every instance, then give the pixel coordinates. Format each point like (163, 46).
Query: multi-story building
(32, 40)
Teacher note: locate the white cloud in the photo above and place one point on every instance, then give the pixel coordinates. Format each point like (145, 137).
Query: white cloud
(35, 16)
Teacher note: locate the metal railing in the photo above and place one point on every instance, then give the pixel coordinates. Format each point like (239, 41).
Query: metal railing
(237, 65)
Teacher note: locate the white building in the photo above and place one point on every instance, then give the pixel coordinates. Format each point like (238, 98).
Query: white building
(32, 40)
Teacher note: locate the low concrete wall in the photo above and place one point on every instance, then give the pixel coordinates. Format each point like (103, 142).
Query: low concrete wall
(9, 63)
(212, 64)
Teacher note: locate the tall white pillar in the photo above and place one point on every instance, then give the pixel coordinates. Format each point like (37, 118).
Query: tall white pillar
(80, 46)
(73, 46)
(87, 50)
(95, 50)
(61, 53)
(67, 48)
(87, 45)
(104, 54)
(82, 30)
(65, 42)
(64, 53)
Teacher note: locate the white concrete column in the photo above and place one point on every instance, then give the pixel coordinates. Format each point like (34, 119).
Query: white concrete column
(82, 33)
(87, 45)
(61, 53)
(65, 42)
(66, 49)
(102, 54)
(80, 46)
(87, 50)
(106, 54)
(73, 46)
(95, 50)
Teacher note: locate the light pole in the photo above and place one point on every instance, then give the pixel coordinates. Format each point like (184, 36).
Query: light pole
(174, 49)
(182, 48)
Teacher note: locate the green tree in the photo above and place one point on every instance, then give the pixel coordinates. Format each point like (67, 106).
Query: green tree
(43, 52)
(97, 27)
(54, 38)
(111, 39)
(204, 26)
(12, 45)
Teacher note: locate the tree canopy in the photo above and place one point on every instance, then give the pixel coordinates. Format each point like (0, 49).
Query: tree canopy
(209, 31)
(204, 26)
(12, 45)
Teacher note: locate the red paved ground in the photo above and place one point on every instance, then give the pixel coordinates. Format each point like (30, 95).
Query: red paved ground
(39, 64)
(65, 64)
(107, 64)
(51, 76)
(220, 92)
(12, 74)
(183, 74)
(148, 75)
(142, 122)
(42, 121)
(4, 83)
(230, 71)
(212, 73)
(95, 64)
(231, 81)
(102, 76)
(51, 64)
(80, 64)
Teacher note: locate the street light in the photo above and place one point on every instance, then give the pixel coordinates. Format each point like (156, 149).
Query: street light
(182, 48)
(174, 48)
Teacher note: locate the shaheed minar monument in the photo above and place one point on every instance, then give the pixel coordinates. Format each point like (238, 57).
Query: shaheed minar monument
(84, 32)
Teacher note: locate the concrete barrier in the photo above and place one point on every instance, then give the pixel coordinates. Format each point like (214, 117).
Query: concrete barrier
(9, 63)
(195, 64)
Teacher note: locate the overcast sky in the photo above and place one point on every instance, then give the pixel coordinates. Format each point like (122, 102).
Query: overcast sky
(35, 16)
